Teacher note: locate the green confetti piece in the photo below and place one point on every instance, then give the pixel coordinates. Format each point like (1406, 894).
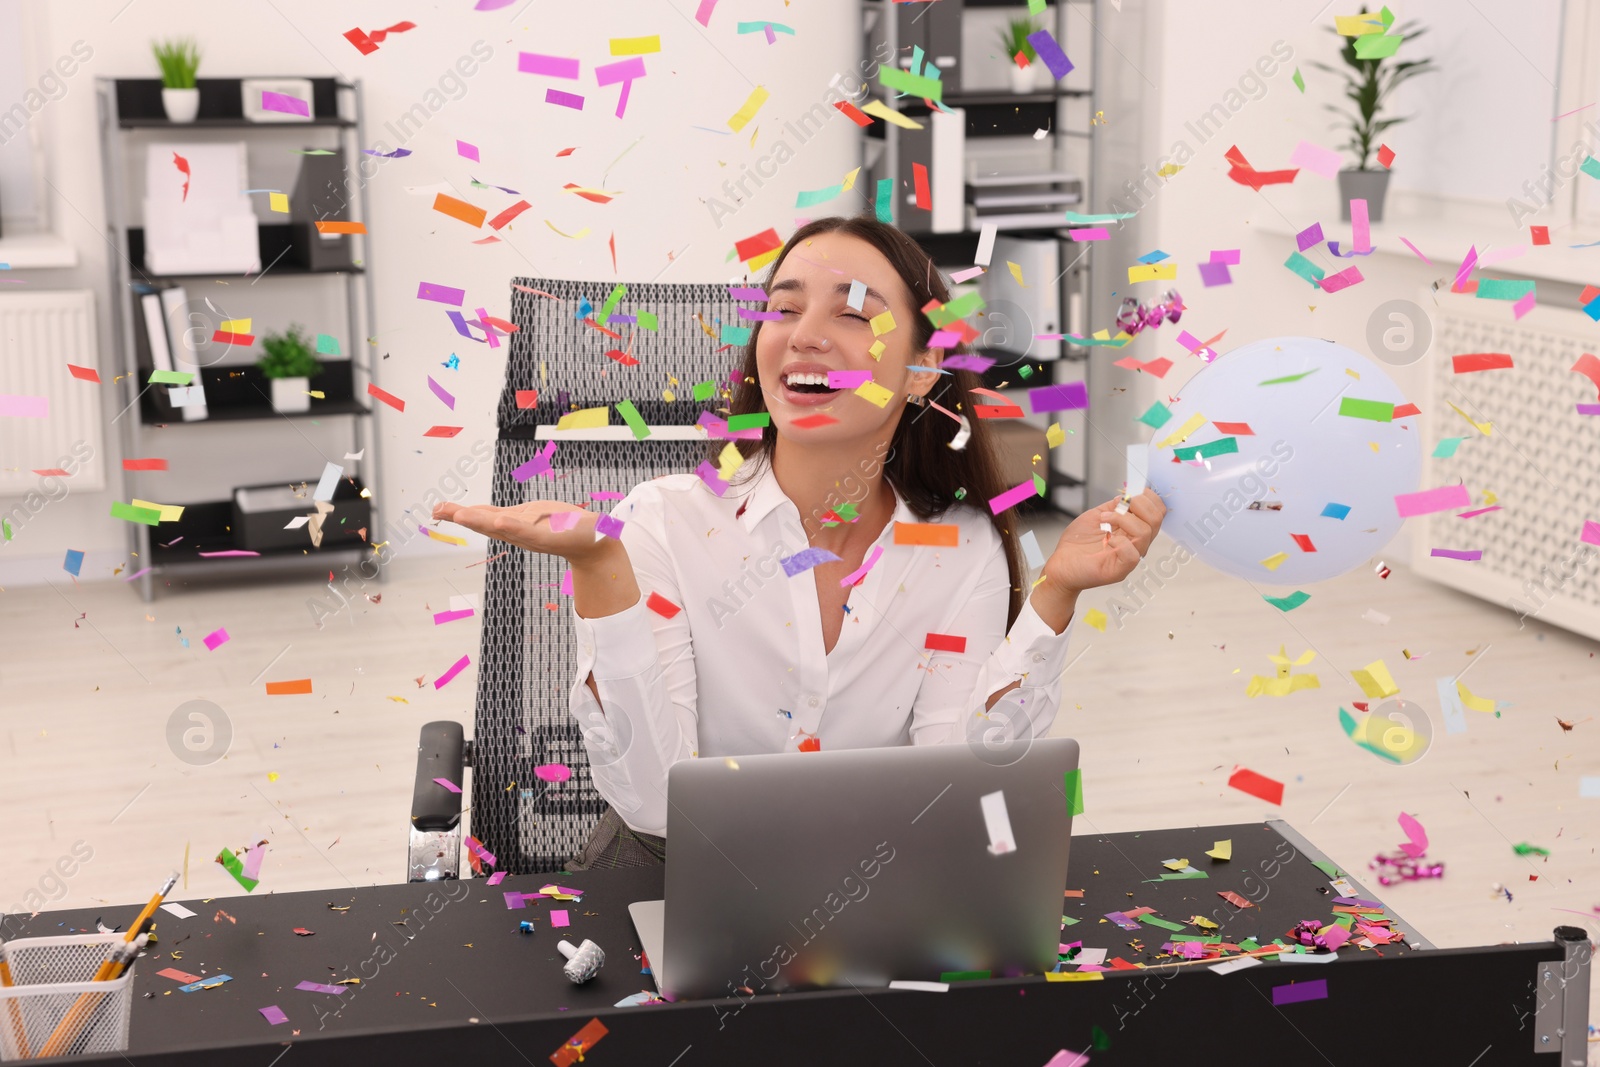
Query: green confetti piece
(171, 377)
(1377, 45)
(1025, 372)
(1328, 867)
(964, 306)
(812, 197)
(1290, 602)
(1067, 920)
(1072, 786)
(705, 390)
(756, 420)
(1222, 446)
(5, 530)
(234, 866)
(1165, 924)
(883, 205)
(1097, 220)
(148, 516)
(1036, 7)
(1590, 166)
(1376, 410)
(915, 85)
(648, 320)
(1305, 268)
(1447, 447)
(327, 344)
(1386, 17)
(736, 335)
(1099, 1040)
(1290, 377)
(1299, 82)
(1504, 288)
(1158, 416)
(847, 512)
(635, 421)
(1347, 921)
(1525, 849)
(963, 976)
(1248, 945)
(613, 298)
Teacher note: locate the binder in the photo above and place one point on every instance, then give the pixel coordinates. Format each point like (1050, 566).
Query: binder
(175, 317)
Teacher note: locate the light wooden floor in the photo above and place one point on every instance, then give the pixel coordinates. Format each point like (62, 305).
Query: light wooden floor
(1159, 706)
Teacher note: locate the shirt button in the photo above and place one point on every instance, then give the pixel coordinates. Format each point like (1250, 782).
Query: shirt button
(1038, 657)
(812, 702)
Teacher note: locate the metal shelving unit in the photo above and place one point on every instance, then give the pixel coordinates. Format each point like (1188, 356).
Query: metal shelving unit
(127, 105)
(936, 31)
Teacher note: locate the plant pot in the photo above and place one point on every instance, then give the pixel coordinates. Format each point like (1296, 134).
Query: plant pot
(1368, 185)
(1022, 79)
(290, 395)
(181, 105)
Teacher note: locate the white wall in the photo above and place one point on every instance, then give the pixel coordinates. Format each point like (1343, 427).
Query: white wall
(664, 159)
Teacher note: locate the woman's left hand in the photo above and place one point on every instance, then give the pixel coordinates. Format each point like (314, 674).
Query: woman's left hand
(1087, 556)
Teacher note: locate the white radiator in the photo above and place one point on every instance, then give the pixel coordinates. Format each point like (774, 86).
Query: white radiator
(40, 333)
(1541, 461)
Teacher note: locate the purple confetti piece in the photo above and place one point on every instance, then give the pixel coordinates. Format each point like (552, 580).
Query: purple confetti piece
(1357, 902)
(443, 294)
(252, 862)
(754, 315)
(556, 96)
(1054, 58)
(440, 392)
(944, 339)
(1583, 409)
(1068, 396)
(746, 292)
(496, 878)
(1298, 992)
(549, 66)
(805, 559)
(978, 364)
(459, 321)
(1311, 235)
(1472, 556)
(1215, 274)
(708, 474)
(318, 987)
(288, 105)
(1122, 920)
(398, 153)
(608, 526)
(273, 1014)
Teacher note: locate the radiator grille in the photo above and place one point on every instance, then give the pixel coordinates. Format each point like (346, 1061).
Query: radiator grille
(1541, 461)
(40, 333)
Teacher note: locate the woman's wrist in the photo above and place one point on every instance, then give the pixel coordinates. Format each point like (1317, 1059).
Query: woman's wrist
(1054, 603)
(603, 582)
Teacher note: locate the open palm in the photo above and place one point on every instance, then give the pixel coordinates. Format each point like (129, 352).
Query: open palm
(529, 526)
(1087, 557)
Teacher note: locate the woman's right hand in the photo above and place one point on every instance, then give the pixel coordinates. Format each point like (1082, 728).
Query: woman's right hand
(528, 526)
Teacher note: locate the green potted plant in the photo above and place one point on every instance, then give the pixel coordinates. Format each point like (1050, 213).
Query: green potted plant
(179, 59)
(289, 362)
(1371, 74)
(1014, 39)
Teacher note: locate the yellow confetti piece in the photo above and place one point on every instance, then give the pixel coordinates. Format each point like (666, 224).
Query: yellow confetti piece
(878, 109)
(585, 419)
(635, 46)
(668, 395)
(1152, 272)
(1476, 703)
(448, 539)
(1055, 436)
(1357, 25)
(278, 202)
(1075, 976)
(764, 258)
(1096, 618)
(1016, 272)
(882, 323)
(1182, 433)
(1353, 373)
(273, 776)
(850, 180)
(399, 700)
(169, 512)
(874, 393)
(877, 350)
(1483, 427)
(1168, 171)
(729, 460)
(1272, 563)
(1175, 865)
(574, 236)
(317, 394)
(596, 192)
(1222, 850)
(1375, 680)
(1489, 498)
(747, 111)
(235, 325)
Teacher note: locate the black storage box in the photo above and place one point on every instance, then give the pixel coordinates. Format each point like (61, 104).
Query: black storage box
(261, 513)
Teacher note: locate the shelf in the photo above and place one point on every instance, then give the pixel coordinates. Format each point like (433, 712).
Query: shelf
(37, 251)
(206, 527)
(276, 244)
(318, 410)
(239, 393)
(231, 124)
(221, 105)
(1003, 97)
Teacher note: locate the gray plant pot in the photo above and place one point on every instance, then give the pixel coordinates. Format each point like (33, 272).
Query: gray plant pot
(1369, 185)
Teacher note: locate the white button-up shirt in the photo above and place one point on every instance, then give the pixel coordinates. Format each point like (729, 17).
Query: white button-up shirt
(741, 669)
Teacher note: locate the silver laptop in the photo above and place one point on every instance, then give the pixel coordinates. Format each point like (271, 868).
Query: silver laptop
(860, 867)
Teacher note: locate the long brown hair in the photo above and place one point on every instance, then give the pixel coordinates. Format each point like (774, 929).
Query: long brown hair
(920, 465)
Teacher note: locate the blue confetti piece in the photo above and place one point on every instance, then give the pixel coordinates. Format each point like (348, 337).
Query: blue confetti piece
(1153, 257)
(205, 983)
(1336, 511)
(74, 562)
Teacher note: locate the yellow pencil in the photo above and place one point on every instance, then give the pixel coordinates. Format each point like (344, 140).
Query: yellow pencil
(16, 1016)
(67, 1032)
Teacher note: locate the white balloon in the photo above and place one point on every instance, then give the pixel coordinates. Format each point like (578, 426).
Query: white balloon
(1301, 463)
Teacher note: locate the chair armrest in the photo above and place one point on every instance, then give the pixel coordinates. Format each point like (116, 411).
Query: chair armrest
(442, 752)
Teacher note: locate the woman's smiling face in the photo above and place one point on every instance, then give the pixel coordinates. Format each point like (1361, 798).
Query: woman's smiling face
(820, 332)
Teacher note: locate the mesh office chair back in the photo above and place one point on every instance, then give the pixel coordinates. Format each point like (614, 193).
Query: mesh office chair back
(527, 660)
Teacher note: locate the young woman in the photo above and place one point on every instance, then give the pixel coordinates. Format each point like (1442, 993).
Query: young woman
(707, 628)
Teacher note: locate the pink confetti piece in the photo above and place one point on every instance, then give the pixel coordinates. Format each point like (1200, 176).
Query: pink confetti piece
(442, 617)
(848, 379)
(1417, 838)
(288, 105)
(25, 407)
(562, 521)
(1467, 264)
(702, 14)
(448, 676)
(1013, 497)
(1524, 305)
(1090, 233)
(970, 272)
(273, 1014)
(440, 392)
(1342, 280)
(1479, 511)
(606, 494)
(1591, 532)
(442, 294)
(1414, 248)
(252, 862)
(561, 99)
(216, 639)
(608, 526)
(855, 576)
(467, 151)
(448, 784)
(1360, 227)
(944, 339)
(552, 772)
(549, 66)
(708, 475)
(318, 987)
(1313, 157)
(1432, 500)
(496, 878)
(558, 918)
(475, 847)
(1230, 256)
(232, 552)
(140, 573)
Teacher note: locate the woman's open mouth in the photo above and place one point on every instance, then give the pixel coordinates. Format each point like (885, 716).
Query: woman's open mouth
(807, 388)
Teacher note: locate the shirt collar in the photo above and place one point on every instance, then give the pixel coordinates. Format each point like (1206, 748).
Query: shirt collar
(763, 495)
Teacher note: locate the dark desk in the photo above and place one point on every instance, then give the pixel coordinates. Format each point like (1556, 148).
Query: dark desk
(447, 977)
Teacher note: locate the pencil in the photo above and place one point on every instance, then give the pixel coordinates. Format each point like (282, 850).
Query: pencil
(11, 1007)
(67, 1032)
